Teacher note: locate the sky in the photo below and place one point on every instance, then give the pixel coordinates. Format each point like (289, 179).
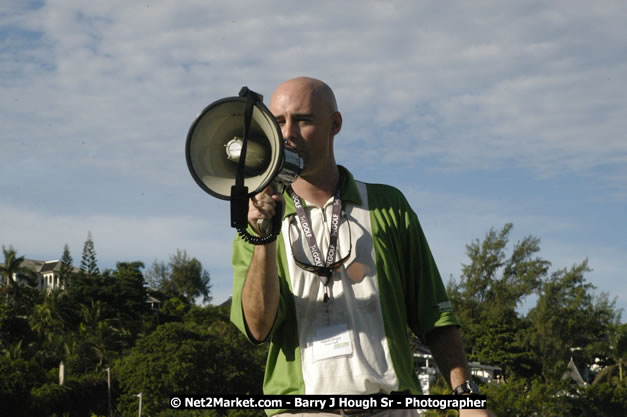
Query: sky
(483, 113)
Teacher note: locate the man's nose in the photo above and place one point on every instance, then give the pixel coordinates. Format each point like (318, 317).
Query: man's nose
(289, 132)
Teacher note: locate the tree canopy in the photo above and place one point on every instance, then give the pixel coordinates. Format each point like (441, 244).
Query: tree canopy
(89, 264)
(182, 277)
(533, 348)
(101, 322)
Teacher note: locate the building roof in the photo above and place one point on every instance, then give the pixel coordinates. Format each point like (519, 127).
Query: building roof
(44, 266)
(32, 264)
(573, 373)
(152, 300)
(50, 266)
(227, 303)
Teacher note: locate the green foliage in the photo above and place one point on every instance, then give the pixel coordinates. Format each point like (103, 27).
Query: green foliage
(182, 277)
(500, 343)
(89, 264)
(18, 377)
(121, 293)
(188, 358)
(615, 354)
(498, 280)
(567, 317)
(78, 396)
(602, 400)
(488, 293)
(14, 329)
(533, 350)
(101, 320)
(66, 271)
(173, 309)
(11, 267)
(524, 397)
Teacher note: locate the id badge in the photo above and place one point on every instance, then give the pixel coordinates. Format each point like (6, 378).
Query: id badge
(331, 341)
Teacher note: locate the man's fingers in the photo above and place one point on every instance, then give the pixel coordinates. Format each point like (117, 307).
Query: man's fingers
(264, 204)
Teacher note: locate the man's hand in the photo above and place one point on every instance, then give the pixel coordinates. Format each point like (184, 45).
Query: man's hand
(447, 349)
(263, 206)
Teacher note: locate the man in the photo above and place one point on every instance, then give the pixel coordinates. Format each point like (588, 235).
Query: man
(337, 323)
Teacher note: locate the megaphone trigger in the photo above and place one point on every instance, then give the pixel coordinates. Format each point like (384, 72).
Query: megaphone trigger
(265, 226)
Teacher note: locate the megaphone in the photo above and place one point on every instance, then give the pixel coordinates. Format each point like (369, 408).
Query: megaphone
(235, 149)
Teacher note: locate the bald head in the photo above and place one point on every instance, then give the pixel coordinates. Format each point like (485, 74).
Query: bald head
(319, 91)
(306, 111)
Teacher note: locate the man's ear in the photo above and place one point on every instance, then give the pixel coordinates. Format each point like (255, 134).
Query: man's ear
(336, 123)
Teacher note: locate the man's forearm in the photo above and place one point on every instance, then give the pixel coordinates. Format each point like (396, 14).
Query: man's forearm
(260, 295)
(448, 351)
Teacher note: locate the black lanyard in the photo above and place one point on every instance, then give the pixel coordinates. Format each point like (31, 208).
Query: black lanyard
(324, 268)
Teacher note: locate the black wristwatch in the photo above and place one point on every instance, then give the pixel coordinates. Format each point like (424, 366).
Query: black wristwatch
(468, 387)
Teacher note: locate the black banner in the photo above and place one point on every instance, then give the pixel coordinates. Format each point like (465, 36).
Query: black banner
(328, 402)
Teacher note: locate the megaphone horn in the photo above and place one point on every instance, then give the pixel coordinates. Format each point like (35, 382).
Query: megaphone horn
(224, 132)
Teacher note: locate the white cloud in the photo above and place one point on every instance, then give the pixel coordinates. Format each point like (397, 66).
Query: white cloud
(96, 98)
(471, 84)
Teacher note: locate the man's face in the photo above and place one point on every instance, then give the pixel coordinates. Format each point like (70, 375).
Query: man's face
(307, 124)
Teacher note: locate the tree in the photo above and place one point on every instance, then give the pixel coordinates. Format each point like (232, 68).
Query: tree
(182, 277)
(18, 378)
(159, 272)
(618, 349)
(97, 332)
(208, 354)
(108, 314)
(495, 280)
(14, 330)
(488, 293)
(13, 267)
(129, 298)
(568, 317)
(89, 265)
(172, 359)
(49, 320)
(12, 264)
(66, 268)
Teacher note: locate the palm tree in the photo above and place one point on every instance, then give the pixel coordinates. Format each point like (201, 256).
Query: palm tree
(14, 351)
(12, 266)
(97, 332)
(50, 317)
(614, 374)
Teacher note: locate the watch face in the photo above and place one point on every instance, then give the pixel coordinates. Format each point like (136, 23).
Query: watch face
(468, 387)
(472, 387)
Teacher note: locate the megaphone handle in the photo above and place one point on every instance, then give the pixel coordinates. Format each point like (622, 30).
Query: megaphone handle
(265, 226)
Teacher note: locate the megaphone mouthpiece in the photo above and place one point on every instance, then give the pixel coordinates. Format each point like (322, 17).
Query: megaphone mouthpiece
(256, 154)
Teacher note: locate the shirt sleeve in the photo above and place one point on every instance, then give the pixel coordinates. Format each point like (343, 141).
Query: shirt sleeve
(242, 255)
(405, 262)
(428, 305)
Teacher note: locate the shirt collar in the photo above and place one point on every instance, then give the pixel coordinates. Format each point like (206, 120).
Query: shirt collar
(348, 187)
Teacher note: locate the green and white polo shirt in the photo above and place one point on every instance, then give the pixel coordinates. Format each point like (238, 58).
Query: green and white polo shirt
(389, 282)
